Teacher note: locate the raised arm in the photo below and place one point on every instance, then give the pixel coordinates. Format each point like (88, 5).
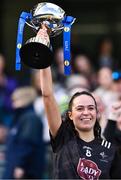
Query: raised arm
(113, 128)
(51, 107)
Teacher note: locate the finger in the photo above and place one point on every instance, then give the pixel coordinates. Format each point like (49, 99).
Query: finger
(43, 26)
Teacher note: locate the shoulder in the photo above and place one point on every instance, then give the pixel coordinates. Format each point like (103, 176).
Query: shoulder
(63, 136)
(29, 116)
(64, 130)
(106, 144)
(29, 120)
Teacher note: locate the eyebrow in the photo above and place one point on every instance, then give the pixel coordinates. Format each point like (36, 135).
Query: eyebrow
(90, 105)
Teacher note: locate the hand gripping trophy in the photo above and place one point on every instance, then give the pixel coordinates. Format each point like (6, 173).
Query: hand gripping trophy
(36, 53)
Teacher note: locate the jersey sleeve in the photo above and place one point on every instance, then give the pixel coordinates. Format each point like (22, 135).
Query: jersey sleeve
(115, 172)
(62, 137)
(112, 133)
(109, 132)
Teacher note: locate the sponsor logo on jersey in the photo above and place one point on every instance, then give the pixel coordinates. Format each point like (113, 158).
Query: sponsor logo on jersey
(87, 169)
(103, 157)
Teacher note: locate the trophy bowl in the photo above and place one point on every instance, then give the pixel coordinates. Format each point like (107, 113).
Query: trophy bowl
(36, 53)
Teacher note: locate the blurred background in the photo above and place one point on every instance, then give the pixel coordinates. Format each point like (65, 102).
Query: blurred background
(96, 67)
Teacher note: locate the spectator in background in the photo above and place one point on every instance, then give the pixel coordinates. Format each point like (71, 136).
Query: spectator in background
(81, 64)
(108, 91)
(7, 86)
(105, 53)
(3, 135)
(104, 81)
(25, 150)
(77, 82)
(105, 86)
(102, 112)
(116, 75)
(58, 69)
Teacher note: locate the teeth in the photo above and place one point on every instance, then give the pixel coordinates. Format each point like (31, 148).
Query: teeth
(85, 119)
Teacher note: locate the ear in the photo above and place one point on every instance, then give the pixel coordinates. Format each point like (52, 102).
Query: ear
(70, 115)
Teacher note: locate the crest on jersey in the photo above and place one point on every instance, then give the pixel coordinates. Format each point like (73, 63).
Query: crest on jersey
(87, 169)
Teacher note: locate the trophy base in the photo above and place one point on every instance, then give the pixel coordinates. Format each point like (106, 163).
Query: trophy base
(36, 55)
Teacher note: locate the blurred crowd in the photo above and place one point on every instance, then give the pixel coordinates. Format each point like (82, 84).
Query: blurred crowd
(25, 150)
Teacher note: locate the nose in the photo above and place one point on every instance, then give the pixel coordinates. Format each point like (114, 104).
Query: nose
(85, 111)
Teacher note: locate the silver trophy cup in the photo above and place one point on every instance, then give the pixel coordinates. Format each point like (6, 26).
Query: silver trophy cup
(36, 53)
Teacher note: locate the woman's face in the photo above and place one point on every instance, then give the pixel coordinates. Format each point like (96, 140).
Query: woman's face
(83, 113)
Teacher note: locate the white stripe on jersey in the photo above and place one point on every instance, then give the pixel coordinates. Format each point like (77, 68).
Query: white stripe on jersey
(103, 142)
(106, 144)
(109, 144)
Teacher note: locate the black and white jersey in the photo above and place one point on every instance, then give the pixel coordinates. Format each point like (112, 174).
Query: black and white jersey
(112, 133)
(77, 159)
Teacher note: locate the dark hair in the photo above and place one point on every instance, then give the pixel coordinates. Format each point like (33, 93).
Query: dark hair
(97, 128)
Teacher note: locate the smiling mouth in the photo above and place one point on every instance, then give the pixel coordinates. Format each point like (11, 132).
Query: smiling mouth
(85, 119)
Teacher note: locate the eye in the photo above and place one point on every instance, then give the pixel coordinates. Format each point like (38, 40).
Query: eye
(80, 109)
(91, 108)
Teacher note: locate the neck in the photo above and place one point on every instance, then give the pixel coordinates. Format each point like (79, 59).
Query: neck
(86, 136)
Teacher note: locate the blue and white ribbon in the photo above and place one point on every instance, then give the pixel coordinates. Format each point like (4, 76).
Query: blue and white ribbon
(67, 22)
(22, 20)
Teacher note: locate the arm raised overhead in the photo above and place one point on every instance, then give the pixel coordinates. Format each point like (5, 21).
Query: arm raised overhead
(51, 106)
